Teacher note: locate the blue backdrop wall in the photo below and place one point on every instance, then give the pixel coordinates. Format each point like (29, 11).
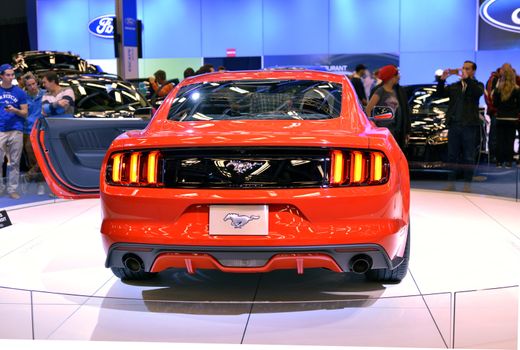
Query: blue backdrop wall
(426, 34)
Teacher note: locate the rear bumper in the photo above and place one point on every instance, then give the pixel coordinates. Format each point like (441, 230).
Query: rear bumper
(170, 227)
(156, 258)
(303, 217)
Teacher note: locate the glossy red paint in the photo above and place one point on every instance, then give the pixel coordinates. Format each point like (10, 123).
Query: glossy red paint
(298, 217)
(375, 214)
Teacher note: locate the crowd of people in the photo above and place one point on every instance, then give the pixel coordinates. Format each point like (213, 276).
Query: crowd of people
(502, 96)
(23, 103)
(162, 87)
(503, 100)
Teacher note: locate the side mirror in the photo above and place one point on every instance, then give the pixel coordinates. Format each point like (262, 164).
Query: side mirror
(382, 113)
(143, 112)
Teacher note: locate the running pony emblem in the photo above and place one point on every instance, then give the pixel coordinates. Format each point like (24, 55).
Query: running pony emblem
(239, 221)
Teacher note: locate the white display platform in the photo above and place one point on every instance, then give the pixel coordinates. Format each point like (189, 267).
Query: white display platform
(52, 259)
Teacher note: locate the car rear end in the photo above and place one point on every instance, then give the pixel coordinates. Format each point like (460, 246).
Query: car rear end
(247, 195)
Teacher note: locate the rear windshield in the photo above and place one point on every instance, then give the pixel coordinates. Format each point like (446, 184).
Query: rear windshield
(265, 99)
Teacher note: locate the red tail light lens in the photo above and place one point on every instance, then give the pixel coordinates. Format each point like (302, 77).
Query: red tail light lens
(376, 170)
(117, 164)
(337, 167)
(358, 168)
(152, 166)
(134, 167)
(139, 168)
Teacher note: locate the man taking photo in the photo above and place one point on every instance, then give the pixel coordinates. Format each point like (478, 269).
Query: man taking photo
(463, 120)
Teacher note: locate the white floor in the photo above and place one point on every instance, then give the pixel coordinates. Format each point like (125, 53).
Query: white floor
(463, 248)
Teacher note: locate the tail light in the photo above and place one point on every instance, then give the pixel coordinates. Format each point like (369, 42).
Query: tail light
(337, 168)
(358, 168)
(138, 168)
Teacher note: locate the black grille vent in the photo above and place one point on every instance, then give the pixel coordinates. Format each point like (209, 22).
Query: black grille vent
(246, 167)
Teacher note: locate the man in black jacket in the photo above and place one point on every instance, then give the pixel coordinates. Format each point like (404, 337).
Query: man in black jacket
(463, 119)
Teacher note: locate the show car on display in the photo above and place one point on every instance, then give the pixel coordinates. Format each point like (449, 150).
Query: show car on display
(241, 172)
(105, 106)
(427, 147)
(43, 61)
(105, 96)
(428, 139)
(97, 94)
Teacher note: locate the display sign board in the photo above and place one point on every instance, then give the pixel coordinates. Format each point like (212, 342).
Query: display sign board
(129, 23)
(499, 25)
(126, 11)
(231, 52)
(344, 64)
(4, 219)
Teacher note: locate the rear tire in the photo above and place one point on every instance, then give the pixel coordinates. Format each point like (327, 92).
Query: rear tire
(126, 274)
(392, 276)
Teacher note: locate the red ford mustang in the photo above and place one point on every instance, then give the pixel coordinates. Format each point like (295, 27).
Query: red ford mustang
(241, 172)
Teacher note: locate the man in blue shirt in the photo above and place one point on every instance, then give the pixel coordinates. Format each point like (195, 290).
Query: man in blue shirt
(34, 101)
(13, 111)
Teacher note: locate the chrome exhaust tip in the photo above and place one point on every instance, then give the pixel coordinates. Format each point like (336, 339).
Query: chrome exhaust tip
(360, 263)
(133, 262)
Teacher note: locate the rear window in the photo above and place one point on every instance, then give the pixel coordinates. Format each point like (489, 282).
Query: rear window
(46, 62)
(265, 99)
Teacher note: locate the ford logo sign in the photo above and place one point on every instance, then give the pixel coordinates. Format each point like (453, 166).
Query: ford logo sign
(102, 26)
(502, 14)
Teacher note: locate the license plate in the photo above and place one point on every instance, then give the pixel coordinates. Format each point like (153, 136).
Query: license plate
(241, 220)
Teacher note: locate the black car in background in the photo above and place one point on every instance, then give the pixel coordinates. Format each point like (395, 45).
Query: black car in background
(97, 95)
(40, 62)
(67, 63)
(428, 140)
(105, 96)
(105, 107)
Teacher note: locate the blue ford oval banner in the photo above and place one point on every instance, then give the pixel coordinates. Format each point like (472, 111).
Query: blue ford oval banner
(102, 26)
(499, 24)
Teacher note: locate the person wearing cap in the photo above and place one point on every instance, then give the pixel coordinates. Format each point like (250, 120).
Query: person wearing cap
(390, 94)
(357, 83)
(13, 111)
(463, 120)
